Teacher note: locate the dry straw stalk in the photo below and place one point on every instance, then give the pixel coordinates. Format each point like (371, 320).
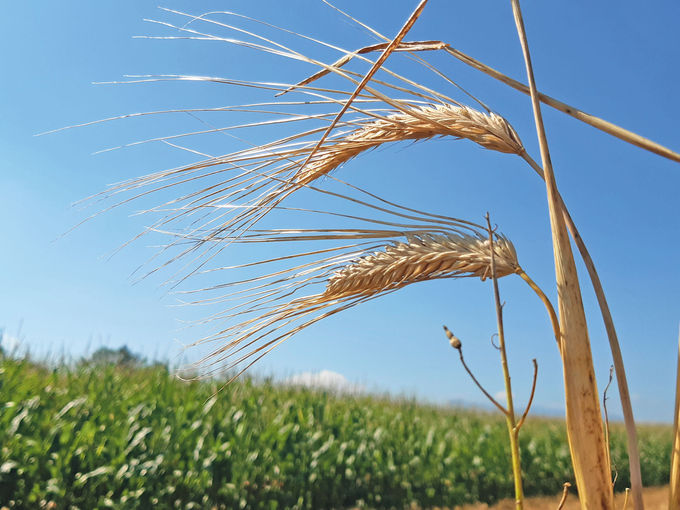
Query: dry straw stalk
(584, 419)
(674, 492)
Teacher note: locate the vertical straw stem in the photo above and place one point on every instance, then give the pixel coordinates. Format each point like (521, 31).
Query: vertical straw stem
(584, 420)
(614, 346)
(513, 429)
(674, 496)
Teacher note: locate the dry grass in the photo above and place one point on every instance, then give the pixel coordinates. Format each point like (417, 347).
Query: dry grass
(655, 498)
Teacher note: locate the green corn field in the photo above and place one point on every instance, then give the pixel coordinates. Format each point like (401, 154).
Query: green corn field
(107, 436)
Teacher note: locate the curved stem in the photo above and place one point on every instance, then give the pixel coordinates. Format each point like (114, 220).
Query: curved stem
(565, 493)
(531, 397)
(479, 385)
(548, 305)
(606, 417)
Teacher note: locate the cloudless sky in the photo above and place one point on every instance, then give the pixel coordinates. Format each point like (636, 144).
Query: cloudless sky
(65, 295)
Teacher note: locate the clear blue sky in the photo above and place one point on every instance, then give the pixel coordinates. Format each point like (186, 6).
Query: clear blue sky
(64, 295)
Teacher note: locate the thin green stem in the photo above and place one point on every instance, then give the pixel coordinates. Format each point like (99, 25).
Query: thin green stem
(513, 429)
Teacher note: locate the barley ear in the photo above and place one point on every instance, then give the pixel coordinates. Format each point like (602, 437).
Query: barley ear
(491, 131)
(423, 257)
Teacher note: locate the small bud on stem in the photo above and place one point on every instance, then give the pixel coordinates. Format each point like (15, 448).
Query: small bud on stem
(453, 339)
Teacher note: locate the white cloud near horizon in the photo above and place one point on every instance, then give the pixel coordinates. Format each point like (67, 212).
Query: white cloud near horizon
(325, 379)
(500, 396)
(10, 344)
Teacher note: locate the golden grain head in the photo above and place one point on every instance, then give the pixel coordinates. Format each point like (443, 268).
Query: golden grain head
(422, 257)
(491, 131)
